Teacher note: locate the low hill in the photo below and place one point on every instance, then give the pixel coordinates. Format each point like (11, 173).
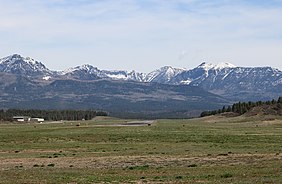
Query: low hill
(272, 107)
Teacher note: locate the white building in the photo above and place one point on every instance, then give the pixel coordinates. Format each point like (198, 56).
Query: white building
(27, 118)
(21, 118)
(37, 119)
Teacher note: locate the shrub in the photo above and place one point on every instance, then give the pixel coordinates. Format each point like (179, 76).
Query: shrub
(226, 175)
(51, 165)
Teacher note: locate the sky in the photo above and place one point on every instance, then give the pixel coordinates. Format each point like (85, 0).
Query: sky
(143, 35)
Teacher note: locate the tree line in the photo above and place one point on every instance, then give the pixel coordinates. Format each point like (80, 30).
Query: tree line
(242, 107)
(51, 115)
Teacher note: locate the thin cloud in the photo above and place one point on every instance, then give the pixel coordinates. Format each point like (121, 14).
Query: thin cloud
(57, 29)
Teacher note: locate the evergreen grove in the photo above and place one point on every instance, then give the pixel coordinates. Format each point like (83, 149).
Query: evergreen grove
(242, 107)
(51, 115)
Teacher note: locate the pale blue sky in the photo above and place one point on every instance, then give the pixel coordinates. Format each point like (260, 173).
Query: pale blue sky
(143, 35)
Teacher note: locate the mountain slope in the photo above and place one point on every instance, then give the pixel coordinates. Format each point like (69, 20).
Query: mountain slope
(117, 97)
(237, 83)
(163, 75)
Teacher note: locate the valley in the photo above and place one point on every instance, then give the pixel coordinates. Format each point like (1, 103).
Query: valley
(238, 144)
(212, 149)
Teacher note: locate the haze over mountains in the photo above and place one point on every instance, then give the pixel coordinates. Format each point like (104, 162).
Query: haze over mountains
(27, 83)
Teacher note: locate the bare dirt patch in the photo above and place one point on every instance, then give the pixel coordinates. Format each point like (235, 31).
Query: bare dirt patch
(131, 123)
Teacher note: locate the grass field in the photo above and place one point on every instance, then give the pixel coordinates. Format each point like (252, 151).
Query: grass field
(207, 150)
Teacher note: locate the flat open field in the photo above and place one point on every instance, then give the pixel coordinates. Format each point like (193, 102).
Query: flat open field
(104, 150)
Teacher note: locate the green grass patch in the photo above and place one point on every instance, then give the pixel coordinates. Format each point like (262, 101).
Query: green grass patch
(208, 150)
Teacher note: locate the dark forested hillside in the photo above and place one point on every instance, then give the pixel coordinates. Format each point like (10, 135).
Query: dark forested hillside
(259, 107)
(117, 97)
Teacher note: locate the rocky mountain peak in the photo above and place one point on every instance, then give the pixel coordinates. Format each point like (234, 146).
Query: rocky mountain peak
(85, 68)
(206, 65)
(224, 65)
(163, 75)
(219, 66)
(16, 64)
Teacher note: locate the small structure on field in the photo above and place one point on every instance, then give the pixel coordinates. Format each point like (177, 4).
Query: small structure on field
(21, 118)
(40, 120)
(27, 118)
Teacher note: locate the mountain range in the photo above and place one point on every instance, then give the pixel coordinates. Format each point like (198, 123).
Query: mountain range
(25, 80)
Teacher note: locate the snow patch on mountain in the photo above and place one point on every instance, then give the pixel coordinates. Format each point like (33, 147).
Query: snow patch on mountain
(117, 76)
(124, 75)
(223, 65)
(186, 82)
(46, 78)
(85, 68)
(208, 66)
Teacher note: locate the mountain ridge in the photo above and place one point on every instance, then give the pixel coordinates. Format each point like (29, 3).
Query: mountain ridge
(225, 79)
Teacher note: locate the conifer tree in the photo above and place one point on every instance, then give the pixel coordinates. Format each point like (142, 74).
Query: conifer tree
(279, 100)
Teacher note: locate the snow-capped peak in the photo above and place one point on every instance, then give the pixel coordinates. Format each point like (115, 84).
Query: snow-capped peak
(31, 60)
(17, 64)
(208, 66)
(170, 71)
(224, 65)
(163, 74)
(12, 57)
(86, 68)
(16, 57)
